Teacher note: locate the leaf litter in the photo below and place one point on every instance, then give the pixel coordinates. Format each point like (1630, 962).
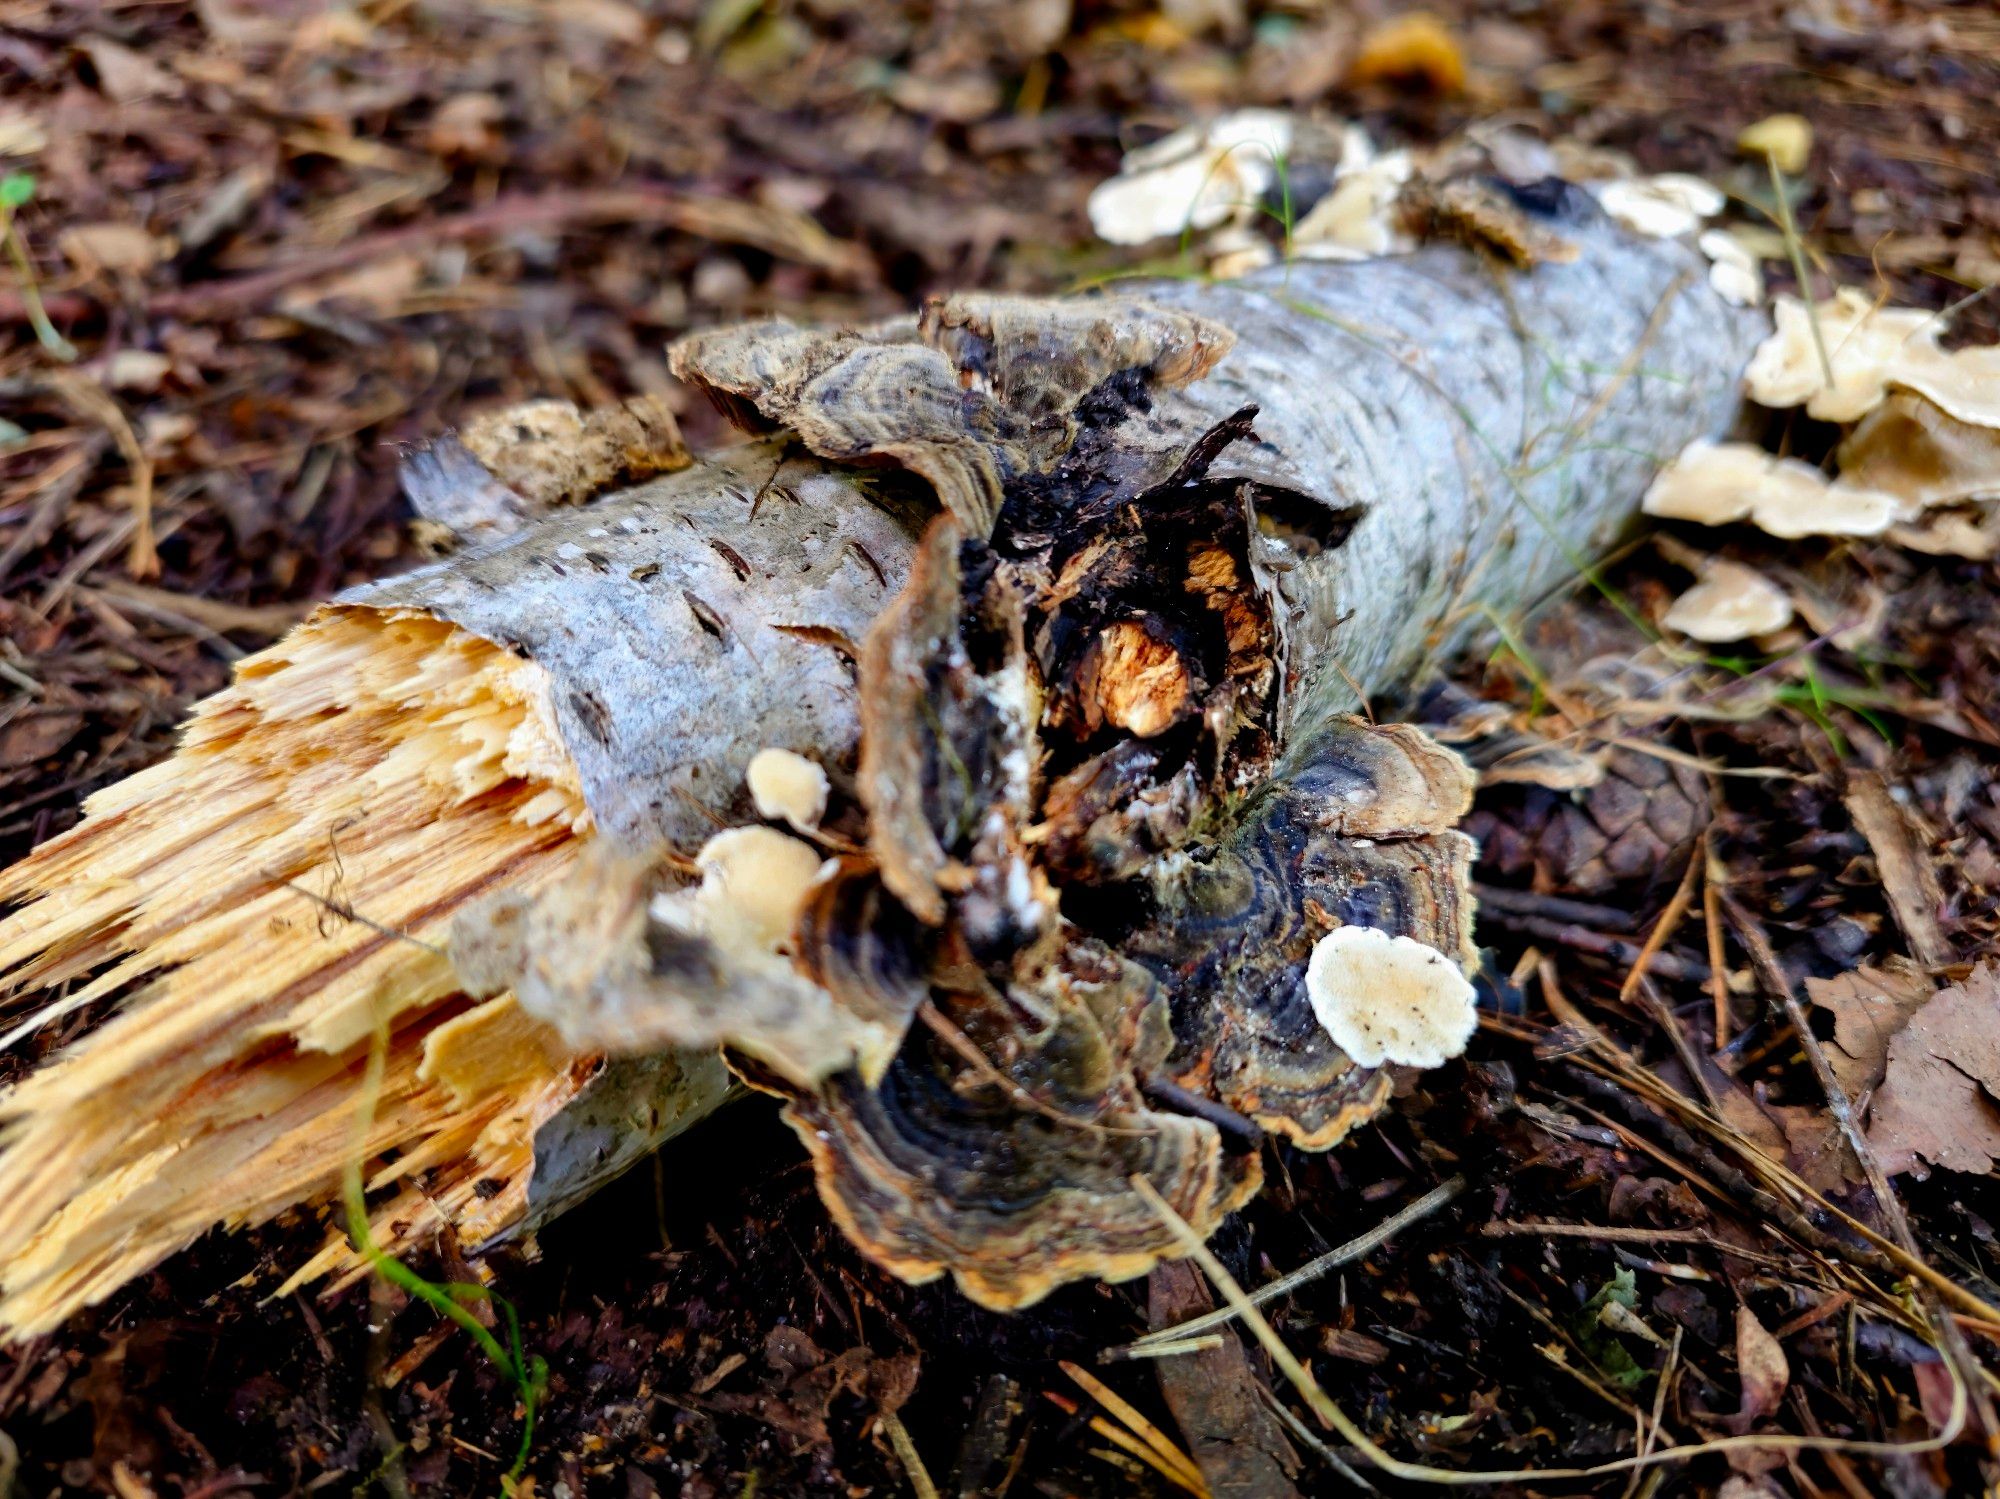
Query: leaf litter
(313, 287)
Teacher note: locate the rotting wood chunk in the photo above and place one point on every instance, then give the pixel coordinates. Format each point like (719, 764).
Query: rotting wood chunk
(1084, 895)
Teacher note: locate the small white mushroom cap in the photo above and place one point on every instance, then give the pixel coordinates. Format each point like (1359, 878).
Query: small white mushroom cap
(1662, 207)
(1389, 999)
(1786, 139)
(787, 787)
(1196, 178)
(1355, 221)
(1870, 349)
(1733, 269)
(1731, 602)
(753, 882)
(1716, 483)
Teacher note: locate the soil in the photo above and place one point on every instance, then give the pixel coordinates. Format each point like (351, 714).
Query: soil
(338, 231)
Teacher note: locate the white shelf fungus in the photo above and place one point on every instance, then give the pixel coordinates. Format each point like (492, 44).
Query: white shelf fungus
(1730, 602)
(1717, 483)
(753, 882)
(787, 787)
(1733, 268)
(1356, 220)
(1389, 999)
(1870, 348)
(1196, 178)
(1663, 207)
(1909, 448)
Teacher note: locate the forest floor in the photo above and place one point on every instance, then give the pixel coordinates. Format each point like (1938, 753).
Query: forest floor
(288, 241)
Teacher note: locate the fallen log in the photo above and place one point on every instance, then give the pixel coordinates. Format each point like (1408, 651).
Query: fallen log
(1072, 601)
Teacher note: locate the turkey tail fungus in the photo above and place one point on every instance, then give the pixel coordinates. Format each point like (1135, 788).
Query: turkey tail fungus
(1071, 601)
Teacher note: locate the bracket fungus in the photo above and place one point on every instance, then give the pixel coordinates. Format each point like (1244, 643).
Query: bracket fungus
(786, 786)
(1729, 602)
(1719, 483)
(1871, 349)
(1668, 206)
(1389, 998)
(1911, 448)
(1196, 178)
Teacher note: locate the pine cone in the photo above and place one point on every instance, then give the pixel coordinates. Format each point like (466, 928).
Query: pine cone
(1582, 815)
(1638, 824)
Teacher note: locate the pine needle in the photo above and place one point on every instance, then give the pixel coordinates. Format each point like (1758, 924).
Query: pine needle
(1330, 1414)
(1147, 1432)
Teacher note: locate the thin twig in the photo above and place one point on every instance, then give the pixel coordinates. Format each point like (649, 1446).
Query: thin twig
(1323, 1406)
(1174, 1349)
(1135, 1421)
(1314, 1441)
(790, 236)
(1352, 1250)
(1714, 879)
(1506, 1229)
(907, 1454)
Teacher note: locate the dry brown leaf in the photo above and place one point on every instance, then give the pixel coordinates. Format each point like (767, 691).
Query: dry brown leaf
(125, 76)
(21, 134)
(1819, 1151)
(1740, 1112)
(1905, 861)
(1937, 1101)
(1869, 1006)
(1762, 1367)
(1414, 46)
(111, 247)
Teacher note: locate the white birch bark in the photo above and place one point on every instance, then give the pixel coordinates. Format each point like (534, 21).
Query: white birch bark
(1439, 441)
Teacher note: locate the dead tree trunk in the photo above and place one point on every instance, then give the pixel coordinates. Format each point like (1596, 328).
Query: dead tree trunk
(1436, 442)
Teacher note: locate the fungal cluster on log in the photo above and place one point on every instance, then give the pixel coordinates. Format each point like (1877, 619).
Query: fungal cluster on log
(1012, 660)
(1061, 935)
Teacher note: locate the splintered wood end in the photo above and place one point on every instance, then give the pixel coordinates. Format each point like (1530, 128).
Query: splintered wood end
(256, 907)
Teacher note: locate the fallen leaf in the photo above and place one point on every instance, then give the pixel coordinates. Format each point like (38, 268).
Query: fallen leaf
(379, 287)
(1937, 1099)
(142, 370)
(1761, 1366)
(1413, 46)
(1740, 1112)
(20, 134)
(125, 76)
(1905, 862)
(1869, 1006)
(35, 735)
(1818, 1149)
(466, 125)
(110, 247)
